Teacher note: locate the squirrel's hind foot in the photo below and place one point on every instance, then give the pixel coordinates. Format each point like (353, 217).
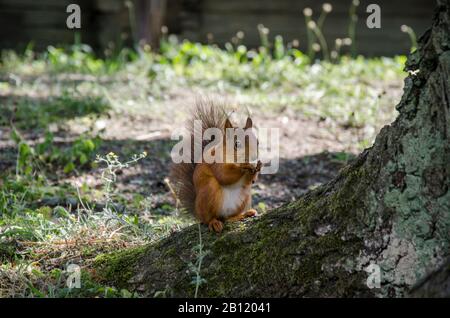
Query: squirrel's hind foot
(247, 214)
(250, 213)
(215, 225)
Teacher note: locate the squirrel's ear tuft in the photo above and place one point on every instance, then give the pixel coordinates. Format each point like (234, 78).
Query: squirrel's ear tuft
(249, 123)
(228, 124)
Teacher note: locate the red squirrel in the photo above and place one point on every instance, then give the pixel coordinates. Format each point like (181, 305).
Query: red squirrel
(219, 191)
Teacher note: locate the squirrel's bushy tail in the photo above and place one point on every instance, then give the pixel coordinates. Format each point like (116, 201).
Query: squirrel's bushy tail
(212, 115)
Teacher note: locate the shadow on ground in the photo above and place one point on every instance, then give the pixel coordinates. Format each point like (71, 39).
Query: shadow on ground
(146, 178)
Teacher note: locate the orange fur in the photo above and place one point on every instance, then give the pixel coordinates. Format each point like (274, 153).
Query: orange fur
(218, 192)
(209, 183)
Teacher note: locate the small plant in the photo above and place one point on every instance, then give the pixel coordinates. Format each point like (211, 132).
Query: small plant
(279, 48)
(323, 43)
(147, 230)
(47, 155)
(314, 31)
(80, 153)
(353, 16)
(262, 207)
(264, 37)
(338, 45)
(326, 9)
(307, 12)
(109, 173)
(195, 268)
(412, 36)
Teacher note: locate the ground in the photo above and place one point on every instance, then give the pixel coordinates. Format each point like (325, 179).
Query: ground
(60, 110)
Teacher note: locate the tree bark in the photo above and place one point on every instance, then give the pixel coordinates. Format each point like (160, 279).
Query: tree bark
(390, 208)
(436, 284)
(150, 15)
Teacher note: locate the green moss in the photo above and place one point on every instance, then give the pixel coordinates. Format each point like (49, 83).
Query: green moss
(118, 267)
(272, 235)
(342, 207)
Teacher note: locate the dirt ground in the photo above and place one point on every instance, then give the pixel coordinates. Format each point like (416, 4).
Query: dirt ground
(311, 151)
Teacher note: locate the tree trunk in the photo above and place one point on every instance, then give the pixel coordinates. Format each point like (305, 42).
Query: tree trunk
(390, 208)
(150, 15)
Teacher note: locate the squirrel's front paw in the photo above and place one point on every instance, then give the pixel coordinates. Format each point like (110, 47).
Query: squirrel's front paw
(251, 168)
(248, 167)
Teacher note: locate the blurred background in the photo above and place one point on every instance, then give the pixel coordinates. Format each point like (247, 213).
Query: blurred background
(115, 23)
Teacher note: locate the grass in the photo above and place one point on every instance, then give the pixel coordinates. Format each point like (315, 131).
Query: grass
(37, 244)
(39, 113)
(55, 106)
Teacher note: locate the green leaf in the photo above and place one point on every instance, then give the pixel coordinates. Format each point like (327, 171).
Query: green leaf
(83, 158)
(89, 145)
(68, 168)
